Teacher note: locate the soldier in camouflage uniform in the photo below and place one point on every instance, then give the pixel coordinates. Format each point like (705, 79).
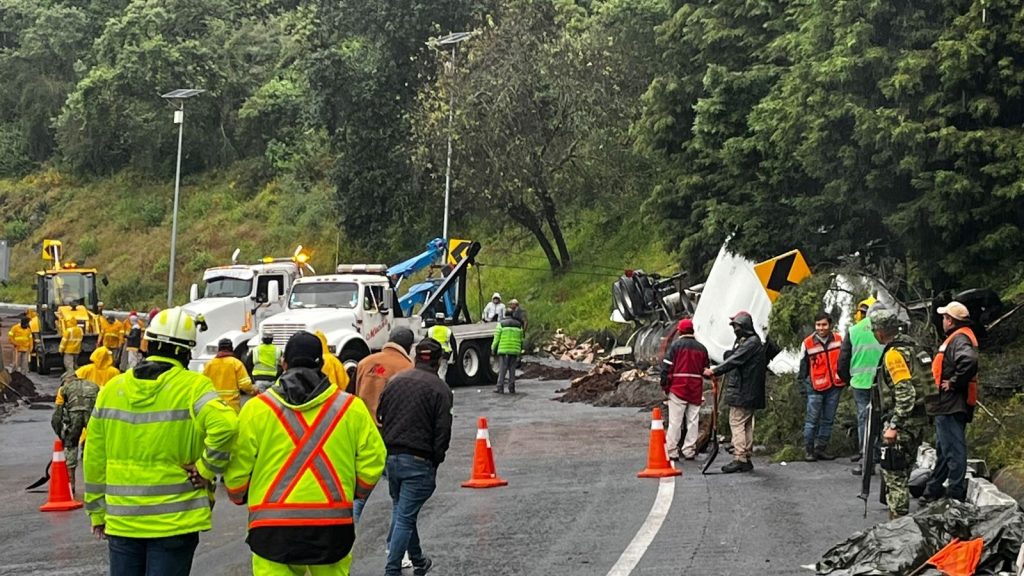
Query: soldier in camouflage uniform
(903, 381)
(74, 404)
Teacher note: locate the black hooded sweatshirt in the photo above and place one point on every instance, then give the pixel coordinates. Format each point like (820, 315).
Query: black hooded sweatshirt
(746, 387)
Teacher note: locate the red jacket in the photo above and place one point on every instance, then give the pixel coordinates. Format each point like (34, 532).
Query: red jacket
(682, 369)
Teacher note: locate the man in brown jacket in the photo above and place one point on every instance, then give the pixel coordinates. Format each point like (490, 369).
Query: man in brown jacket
(373, 373)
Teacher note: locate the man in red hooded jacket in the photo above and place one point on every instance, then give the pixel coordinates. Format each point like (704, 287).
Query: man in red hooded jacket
(683, 382)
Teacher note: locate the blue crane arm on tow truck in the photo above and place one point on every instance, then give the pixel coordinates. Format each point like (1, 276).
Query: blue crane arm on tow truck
(419, 293)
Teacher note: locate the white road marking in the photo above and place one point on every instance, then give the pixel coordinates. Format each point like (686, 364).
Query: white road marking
(636, 549)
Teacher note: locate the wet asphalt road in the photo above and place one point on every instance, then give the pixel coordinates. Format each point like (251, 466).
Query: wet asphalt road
(572, 506)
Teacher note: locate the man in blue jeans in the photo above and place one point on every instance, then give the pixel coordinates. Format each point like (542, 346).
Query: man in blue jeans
(819, 373)
(415, 413)
(955, 370)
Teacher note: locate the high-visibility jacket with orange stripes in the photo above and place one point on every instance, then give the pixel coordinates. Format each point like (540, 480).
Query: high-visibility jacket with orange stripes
(299, 467)
(146, 426)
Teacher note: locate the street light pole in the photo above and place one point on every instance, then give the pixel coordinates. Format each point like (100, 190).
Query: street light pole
(448, 167)
(177, 98)
(179, 119)
(452, 40)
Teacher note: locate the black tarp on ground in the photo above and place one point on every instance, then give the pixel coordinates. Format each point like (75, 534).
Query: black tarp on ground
(899, 546)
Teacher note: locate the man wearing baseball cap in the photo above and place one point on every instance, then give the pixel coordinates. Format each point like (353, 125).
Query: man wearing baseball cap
(955, 371)
(683, 382)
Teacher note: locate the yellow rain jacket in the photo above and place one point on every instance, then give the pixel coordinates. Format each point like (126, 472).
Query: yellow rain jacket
(102, 368)
(71, 341)
(332, 367)
(20, 338)
(146, 426)
(229, 377)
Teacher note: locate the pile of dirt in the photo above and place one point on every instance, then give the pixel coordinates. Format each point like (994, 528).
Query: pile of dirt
(533, 371)
(614, 384)
(21, 388)
(568, 349)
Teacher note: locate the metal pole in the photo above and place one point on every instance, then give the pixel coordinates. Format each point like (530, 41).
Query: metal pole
(448, 169)
(180, 118)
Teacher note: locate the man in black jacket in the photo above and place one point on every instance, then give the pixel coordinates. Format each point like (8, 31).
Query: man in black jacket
(744, 390)
(415, 413)
(955, 368)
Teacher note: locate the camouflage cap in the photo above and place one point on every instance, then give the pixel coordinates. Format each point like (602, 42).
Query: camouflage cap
(885, 319)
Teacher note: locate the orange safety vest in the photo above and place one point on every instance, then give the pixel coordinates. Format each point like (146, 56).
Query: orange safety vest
(972, 386)
(824, 362)
(308, 455)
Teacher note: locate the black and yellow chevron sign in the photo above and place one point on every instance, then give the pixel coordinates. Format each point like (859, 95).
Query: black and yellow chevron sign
(457, 250)
(785, 270)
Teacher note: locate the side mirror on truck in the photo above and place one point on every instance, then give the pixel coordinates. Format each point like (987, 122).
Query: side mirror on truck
(193, 293)
(273, 296)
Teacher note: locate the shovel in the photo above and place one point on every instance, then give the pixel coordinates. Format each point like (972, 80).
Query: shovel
(41, 481)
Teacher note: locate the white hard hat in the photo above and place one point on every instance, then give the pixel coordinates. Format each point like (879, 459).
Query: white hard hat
(172, 326)
(496, 295)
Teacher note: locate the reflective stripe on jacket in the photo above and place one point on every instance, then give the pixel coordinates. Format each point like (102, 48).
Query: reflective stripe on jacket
(229, 377)
(141, 434)
(866, 355)
(303, 465)
(20, 338)
(267, 357)
(71, 342)
(823, 361)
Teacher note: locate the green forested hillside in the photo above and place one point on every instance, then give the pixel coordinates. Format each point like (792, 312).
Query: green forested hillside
(586, 134)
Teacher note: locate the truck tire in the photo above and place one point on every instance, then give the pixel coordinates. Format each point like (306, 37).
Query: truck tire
(350, 358)
(473, 364)
(242, 353)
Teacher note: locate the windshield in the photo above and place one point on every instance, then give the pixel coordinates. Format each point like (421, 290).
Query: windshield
(72, 289)
(324, 295)
(228, 288)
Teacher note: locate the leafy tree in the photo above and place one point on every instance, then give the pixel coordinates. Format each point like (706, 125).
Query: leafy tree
(542, 111)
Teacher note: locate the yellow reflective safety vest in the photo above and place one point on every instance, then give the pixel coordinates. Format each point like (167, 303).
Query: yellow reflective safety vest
(266, 360)
(302, 465)
(443, 335)
(147, 424)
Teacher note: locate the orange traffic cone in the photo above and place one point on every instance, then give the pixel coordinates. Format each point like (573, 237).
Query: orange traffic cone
(60, 498)
(657, 463)
(484, 475)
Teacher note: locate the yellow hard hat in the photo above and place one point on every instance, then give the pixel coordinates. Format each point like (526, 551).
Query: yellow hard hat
(172, 326)
(862, 308)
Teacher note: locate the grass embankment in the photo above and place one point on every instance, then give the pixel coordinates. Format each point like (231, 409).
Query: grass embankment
(122, 226)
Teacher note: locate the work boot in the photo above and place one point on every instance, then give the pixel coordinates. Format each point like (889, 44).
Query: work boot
(423, 568)
(821, 454)
(856, 457)
(737, 466)
(809, 455)
(499, 391)
(927, 499)
(857, 470)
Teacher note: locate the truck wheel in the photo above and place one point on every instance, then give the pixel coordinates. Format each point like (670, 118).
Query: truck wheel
(350, 359)
(473, 364)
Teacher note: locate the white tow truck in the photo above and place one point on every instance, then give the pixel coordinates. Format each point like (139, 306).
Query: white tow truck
(237, 299)
(356, 310)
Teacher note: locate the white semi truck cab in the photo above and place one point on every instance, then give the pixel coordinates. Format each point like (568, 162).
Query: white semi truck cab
(355, 309)
(236, 299)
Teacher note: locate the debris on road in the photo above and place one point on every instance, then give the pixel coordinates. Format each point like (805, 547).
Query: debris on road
(532, 371)
(565, 348)
(611, 383)
(899, 546)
